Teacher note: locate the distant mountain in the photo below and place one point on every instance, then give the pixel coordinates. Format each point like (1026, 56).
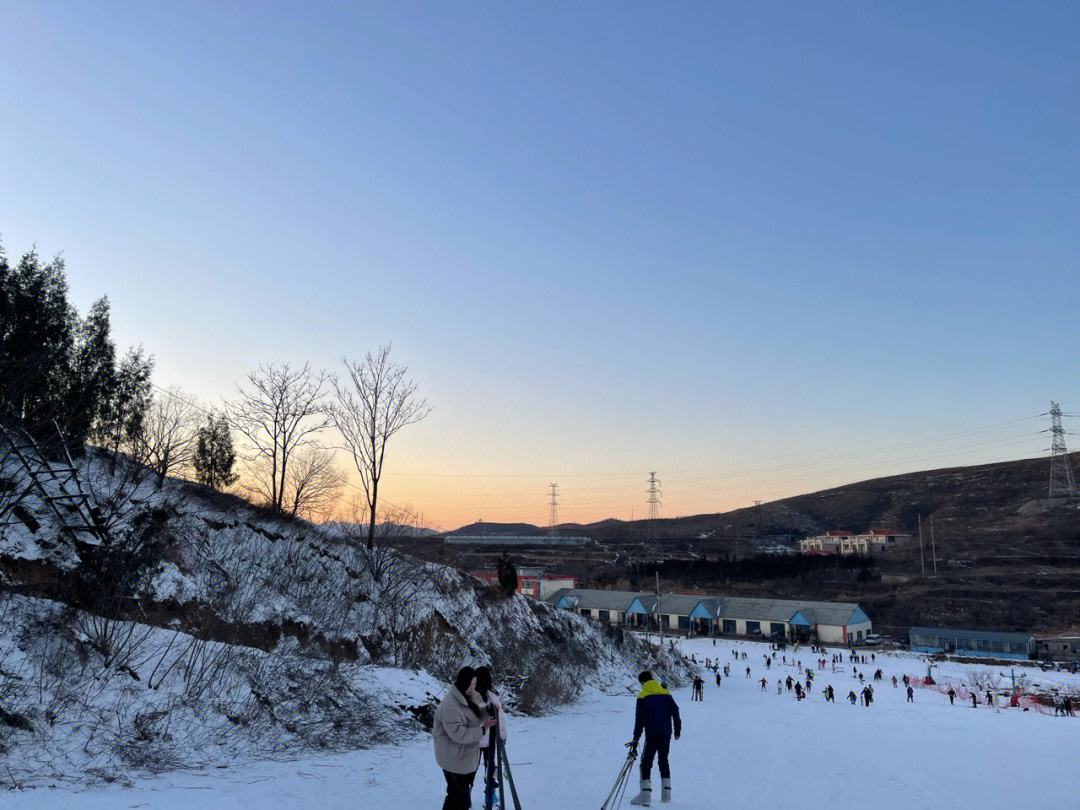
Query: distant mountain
(1006, 556)
(485, 528)
(970, 499)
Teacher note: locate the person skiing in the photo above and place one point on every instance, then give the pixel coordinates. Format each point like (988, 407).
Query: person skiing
(779, 687)
(974, 700)
(458, 727)
(910, 695)
(764, 683)
(656, 715)
(989, 698)
(893, 681)
(830, 695)
(492, 704)
(717, 677)
(748, 672)
(852, 698)
(952, 695)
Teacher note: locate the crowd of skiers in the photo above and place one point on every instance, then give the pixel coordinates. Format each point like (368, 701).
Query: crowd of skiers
(472, 708)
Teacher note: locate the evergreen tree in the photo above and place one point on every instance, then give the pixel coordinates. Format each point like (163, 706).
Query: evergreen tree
(37, 336)
(93, 373)
(214, 454)
(120, 417)
(508, 576)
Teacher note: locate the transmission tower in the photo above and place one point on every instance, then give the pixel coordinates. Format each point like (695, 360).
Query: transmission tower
(553, 508)
(654, 502)
(1062, 483)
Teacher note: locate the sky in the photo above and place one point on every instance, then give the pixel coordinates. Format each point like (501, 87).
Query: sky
(759, 248)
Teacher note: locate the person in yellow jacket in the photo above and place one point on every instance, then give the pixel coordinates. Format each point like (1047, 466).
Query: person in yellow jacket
(656, 715)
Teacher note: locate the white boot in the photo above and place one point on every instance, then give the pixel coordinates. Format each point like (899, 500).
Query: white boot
(644, 798)
(665, 790)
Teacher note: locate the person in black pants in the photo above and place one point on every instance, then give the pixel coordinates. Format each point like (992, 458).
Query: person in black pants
(656, 714)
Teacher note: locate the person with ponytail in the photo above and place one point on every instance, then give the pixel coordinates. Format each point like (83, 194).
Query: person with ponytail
(459, 726)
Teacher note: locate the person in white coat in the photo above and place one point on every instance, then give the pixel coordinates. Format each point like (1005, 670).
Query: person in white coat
(459, 726)
(491, 703)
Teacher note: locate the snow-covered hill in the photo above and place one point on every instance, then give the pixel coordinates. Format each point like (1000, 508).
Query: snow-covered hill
(194, 627)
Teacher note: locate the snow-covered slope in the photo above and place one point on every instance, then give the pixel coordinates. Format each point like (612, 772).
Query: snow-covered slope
(740, 748)
(197, 628)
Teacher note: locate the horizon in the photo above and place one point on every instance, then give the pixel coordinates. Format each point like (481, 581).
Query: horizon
(763, 252)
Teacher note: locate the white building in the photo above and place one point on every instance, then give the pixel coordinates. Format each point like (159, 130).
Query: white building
(779, 619)
(844, 543)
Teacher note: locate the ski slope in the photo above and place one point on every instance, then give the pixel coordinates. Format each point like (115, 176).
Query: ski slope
(741, 748)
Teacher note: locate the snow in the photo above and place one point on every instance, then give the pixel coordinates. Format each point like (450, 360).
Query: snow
(741, 748)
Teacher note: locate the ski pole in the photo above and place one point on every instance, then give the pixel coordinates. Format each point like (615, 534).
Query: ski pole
(614, 797)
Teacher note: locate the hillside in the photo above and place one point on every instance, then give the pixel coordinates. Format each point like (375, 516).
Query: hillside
(146, 628)
(1007, 558)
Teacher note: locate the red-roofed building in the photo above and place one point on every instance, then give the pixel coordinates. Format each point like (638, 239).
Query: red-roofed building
(533, 582)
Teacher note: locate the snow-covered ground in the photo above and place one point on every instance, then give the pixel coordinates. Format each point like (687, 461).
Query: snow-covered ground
(741, 748)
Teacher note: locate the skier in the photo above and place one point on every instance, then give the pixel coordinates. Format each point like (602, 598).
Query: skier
(830, 695)
(717, 677)
(852, 699)
(779, 687)
(764, 683)
(910, 695)
(748, 672)
(952, 695)
(458, 728)
(893, 681)
(974, 701)
(989, 698)
(655, 715)
(798, 691)
(492, 704)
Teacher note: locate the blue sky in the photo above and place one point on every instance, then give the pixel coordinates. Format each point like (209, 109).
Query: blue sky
(708, 238)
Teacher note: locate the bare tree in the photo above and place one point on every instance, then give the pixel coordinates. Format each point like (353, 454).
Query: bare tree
(167, 440)
(376, 401)
(312, 483)
(277, 413)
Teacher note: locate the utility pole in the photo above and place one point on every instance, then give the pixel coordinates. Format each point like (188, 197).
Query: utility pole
(922, 555)
(653, 501)
(933, 548)
(553, 509)
(1062, 482)
(659, 613)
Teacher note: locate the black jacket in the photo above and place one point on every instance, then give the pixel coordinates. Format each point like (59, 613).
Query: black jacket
(656, 712)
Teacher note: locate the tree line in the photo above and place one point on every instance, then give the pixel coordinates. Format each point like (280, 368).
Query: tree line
(63, 382)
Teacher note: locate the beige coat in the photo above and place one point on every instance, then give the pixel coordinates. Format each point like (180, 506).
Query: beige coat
(457, 732)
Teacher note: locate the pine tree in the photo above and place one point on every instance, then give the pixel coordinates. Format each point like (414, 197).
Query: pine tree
(508, 576)
(120, 416)
(37, 334)
(93, 373)
(214, 454)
